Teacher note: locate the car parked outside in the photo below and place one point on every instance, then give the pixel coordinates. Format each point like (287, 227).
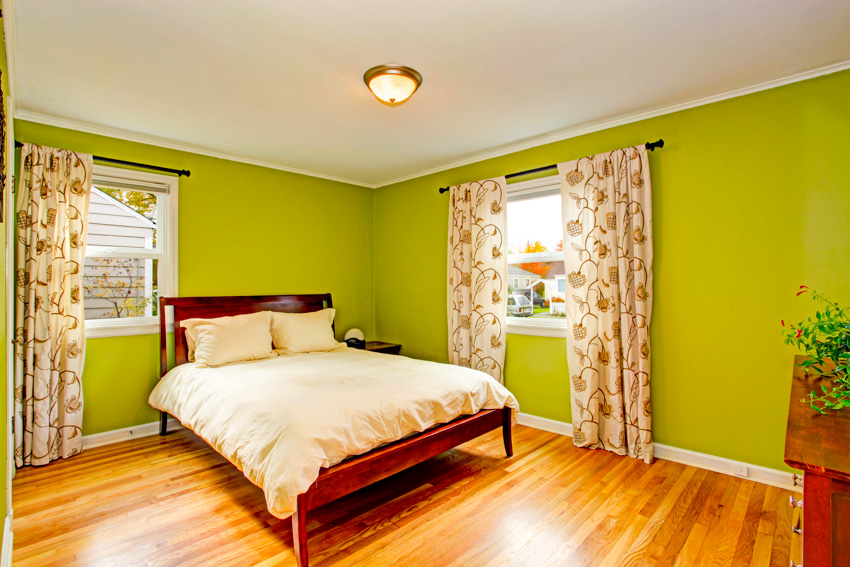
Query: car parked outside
(536, 299)
(520, 306)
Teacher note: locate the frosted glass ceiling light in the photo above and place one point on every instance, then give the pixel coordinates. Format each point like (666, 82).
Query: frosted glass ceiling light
(392, 84)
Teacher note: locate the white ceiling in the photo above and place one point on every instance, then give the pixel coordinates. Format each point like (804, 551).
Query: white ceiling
(280, 82)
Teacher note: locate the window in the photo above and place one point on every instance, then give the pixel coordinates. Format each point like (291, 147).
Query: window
(131, 251)
(536, 275)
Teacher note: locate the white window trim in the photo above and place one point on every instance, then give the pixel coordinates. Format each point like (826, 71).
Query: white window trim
(527, 325)
(106, 176)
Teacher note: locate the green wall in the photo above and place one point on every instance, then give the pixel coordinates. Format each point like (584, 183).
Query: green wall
(750, 199)
(243, 230)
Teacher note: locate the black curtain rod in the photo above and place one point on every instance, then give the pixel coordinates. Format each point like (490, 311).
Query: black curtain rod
(178, 172)
(649, 146)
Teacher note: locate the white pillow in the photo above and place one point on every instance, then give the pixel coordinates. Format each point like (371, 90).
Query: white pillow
(304, 332)
(214, 342)
(191, 326)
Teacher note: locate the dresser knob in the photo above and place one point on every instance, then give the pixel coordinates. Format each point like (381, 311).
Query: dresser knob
(798, 479)
(796, 530)
(795, 564)
(794, 502)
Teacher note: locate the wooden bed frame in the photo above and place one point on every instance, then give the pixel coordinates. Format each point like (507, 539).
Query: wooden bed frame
(353, 473)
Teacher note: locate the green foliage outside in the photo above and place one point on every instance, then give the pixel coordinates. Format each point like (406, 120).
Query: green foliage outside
(142, 203)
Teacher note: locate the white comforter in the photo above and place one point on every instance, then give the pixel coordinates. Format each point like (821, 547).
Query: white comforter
(280, 420)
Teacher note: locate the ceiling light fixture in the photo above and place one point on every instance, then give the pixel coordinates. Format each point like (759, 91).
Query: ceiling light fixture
(392, 84)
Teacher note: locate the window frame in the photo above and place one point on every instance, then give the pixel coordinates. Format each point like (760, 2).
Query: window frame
(166, 187)
(529, 325)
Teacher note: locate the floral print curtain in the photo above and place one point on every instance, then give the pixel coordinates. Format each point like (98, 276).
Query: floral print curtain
(607, 216)
(477, 276)
(52, 212)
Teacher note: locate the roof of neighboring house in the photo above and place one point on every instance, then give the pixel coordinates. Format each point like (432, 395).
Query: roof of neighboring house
(119, 209)
(550, 269)
(557, 269)
(515, 272)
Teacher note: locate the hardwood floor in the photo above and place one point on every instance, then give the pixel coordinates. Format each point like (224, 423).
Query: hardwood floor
(174, 501)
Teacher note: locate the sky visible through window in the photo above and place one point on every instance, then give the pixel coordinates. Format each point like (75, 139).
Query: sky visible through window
(535, 219)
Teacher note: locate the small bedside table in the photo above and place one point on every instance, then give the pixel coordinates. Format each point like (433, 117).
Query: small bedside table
(386, 348)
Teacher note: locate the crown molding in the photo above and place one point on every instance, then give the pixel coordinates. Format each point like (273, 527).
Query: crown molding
(129, 136)
(568, 133)
(557, 136)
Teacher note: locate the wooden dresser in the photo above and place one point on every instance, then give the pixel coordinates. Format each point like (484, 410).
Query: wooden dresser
(819, 445)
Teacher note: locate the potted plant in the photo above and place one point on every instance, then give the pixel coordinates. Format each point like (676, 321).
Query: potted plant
(825, 339)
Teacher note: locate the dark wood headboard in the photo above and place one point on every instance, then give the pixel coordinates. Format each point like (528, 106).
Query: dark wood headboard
(223, 306)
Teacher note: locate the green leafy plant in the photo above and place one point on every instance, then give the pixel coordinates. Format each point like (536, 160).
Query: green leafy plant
(825, 338)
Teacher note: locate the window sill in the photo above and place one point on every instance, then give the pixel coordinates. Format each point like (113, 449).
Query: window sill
(539, 327)
(104, 329)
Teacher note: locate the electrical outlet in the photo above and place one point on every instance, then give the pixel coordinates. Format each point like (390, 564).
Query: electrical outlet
(741, 470)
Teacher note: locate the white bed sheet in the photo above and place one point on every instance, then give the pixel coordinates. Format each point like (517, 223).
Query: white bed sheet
(280, 420)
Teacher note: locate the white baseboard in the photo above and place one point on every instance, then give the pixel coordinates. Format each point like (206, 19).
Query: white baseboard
(6, 553)
(550, 425)
(764, 475)
(143, 430)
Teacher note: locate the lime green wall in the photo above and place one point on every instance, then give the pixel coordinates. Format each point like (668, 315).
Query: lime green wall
(243, 230)
(750, 199)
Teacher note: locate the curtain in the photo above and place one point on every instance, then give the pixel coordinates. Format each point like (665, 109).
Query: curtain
(607, 224)
(52, 212)
(477, 276)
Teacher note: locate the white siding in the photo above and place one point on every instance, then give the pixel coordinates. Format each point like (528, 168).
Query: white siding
(112, 224)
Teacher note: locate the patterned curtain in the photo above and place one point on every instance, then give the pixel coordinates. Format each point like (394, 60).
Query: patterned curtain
(607, 215)
(477, 276)
(52, 208)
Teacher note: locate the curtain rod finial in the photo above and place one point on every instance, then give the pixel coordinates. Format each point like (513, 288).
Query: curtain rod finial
(655, 145)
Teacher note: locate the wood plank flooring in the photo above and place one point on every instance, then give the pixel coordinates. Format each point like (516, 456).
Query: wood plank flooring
(174, 501)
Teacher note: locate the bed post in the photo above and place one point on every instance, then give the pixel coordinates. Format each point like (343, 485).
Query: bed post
(299, 530)
(163, 359)
(506, 431)
(163, 423)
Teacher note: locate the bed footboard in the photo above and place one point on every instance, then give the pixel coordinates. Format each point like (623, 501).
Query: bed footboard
(358, 472)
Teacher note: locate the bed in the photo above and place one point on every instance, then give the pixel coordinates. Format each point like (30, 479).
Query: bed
(311, 428)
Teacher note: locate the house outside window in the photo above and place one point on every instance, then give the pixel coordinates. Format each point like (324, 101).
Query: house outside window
(536, 257)
(131, 251)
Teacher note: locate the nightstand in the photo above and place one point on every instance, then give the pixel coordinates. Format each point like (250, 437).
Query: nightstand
(386, 348)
